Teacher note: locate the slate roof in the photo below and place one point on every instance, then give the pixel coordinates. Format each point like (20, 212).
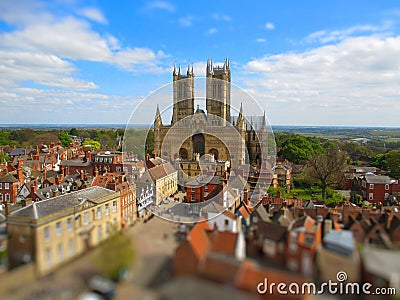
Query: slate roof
(203, 180)
(8, 178)
(21, 151)
(53, 205)
(340, 241)
(272, 231)
(377, 179)
(75, 163)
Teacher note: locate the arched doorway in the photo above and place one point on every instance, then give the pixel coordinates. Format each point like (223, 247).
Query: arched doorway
(214, 152)
(198, 143)
(183, 153)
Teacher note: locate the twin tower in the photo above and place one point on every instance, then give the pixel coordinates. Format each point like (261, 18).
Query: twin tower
(216, 132)
(218, 93)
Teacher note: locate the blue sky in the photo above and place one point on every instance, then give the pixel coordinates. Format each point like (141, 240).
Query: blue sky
(305, 62)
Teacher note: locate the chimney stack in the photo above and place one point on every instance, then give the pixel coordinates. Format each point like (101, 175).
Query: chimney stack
(20, 175)
(96, 172)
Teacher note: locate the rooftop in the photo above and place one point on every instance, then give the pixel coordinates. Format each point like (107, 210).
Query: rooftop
(50, 206)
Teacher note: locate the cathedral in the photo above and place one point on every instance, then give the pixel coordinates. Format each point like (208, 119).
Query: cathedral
(195, 132)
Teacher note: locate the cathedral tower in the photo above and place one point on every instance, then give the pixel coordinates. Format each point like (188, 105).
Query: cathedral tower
(183, 94)
(218, 92)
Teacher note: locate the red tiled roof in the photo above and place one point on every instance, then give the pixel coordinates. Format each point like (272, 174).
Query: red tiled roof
(222, 241)
(160, 171)
(198, 240)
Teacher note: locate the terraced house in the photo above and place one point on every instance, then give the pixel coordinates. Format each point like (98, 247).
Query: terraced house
(50, 232)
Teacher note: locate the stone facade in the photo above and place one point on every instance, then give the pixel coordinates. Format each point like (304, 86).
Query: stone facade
(214, 132)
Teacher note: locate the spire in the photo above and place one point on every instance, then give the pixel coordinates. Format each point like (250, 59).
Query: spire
(209, 66)
(225, 67)
(188, 70)
(192, 69)
(158, 120)
(227, 62)
(179, 70)
(174, 72)
(263, 121)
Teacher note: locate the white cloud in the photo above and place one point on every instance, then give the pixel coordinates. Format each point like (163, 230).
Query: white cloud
(43, 51)
(63, 106)
(186, 21)
(163, 5)
(93, 14)
(221, 17)
(326, 36)
(353, 80)
(211, 31)
(44, 69)
(261, 40)
(269, 26)
(69, 38)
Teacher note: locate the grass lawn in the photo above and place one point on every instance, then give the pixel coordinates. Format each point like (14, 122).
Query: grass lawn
(313, 193)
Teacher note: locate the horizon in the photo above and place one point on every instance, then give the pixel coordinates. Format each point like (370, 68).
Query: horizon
(319, 64)
(122, 125)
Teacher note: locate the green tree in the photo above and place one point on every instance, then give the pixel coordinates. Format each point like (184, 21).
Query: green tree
(74, 131)
(380, 161)
(115, 255)
(3, 157)
(298, 148)
(64, 138)
(326, 168)
(393, 163)
(5, 137)
(94, 144)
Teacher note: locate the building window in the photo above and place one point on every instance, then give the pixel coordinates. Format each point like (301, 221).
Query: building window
(59, 229)
(7, 197)
(107, 209)
(69, 224)
(1, 197)
(1, 185)
(6, 185)
(118, 169)
(47, 234)
(71, 246)
(22, 238)
(48, 257)
(107, 228)
(99, 213)
(60, 252)
(371, 186)
(293, 246)
(192, 190)
(85, 218)
(386, 187)
(114, 206)
(99, 233)
(371, 196)
(206, 188)
(386, 196)
(192, 197)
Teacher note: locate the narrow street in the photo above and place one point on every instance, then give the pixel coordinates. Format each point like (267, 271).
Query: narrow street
(154, 244)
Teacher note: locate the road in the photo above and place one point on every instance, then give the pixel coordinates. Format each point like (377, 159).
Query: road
(154, 243)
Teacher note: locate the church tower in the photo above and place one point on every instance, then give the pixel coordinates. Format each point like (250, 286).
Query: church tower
(218, 92)
(183, 93)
